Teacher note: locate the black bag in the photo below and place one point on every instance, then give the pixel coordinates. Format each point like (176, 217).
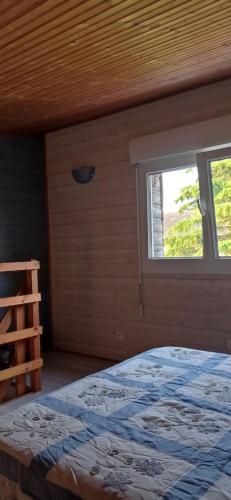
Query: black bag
(6, 353)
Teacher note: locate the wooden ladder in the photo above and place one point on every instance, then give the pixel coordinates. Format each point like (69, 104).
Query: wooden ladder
(23, 313)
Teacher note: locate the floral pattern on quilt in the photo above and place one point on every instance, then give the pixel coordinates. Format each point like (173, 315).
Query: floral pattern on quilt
(34, 427)
(152, 427)
(101, 396)
(116, 465)
(210, 387)
(150, 467)
(185, 355)
(183, 422)
(115, 482)
(148, 372)
(92, 397)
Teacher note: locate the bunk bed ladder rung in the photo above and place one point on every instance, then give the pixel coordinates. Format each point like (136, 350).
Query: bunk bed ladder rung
(23, 314)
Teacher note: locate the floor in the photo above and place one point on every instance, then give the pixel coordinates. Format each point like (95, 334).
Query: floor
(60, 368)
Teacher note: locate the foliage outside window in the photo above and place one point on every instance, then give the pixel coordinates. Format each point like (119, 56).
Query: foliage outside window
(189, 210)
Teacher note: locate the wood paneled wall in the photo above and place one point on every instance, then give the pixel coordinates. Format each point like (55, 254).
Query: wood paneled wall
(93, 241)
(23, 215)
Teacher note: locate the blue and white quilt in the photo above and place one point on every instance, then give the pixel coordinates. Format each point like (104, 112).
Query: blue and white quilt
(157, 426)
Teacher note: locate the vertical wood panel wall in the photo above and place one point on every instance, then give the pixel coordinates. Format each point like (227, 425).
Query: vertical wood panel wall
(93, 241)
(23, 213)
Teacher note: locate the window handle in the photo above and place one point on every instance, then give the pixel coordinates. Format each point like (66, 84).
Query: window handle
(202, 207)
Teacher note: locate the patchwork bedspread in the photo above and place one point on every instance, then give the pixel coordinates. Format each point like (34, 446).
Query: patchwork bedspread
(157, 426)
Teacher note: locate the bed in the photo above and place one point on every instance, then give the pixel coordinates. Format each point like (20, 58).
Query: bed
(155, 426)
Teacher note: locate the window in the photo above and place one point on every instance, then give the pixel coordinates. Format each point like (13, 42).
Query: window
(221, 195)
(186, 213)
(175, 221)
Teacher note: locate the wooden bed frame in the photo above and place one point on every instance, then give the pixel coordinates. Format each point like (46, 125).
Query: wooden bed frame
(23, 313)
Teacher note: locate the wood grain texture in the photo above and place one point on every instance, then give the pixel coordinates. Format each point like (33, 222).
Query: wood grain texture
(21, 334)
(65, 62)
(20, 299)
(93, 241)
(23, 213)
(6, 321)
(15, 336)
(18, 266)
(20, 351)
(21, 370)
(33, 316)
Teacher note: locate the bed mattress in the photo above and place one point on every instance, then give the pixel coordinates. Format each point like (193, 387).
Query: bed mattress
(157, 426)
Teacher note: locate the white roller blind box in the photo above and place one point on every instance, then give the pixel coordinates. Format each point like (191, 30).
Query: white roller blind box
(198, 137)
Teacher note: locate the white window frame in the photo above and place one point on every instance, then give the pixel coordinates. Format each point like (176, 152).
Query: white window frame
(210, 263)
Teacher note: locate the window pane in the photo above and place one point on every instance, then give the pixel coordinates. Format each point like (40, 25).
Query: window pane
(221, 185)
(175, 222)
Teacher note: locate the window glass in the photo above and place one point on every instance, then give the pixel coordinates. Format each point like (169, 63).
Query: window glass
(174, 219)
(221, 187)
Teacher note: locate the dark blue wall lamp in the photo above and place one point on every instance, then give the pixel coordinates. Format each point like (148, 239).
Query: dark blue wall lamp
(83, 175)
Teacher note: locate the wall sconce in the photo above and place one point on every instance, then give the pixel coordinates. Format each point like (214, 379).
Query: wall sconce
(83, 175)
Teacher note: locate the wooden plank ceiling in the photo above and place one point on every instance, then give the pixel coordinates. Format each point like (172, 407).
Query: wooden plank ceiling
(65, 61)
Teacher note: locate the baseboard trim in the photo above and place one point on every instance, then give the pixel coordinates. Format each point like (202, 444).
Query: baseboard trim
(93, 351)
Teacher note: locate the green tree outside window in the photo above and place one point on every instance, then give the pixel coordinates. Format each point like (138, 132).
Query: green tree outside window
(185, 236)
